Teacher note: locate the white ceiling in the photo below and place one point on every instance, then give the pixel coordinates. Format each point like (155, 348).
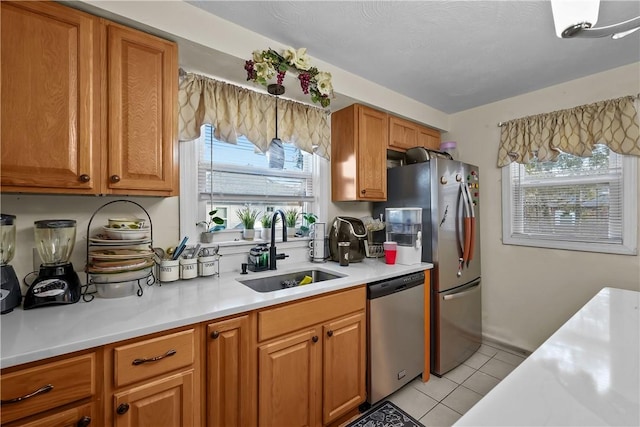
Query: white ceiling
(450, 55)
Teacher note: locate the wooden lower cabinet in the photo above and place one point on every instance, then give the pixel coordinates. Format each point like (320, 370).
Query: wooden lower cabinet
(289, 380)
(168, 402)
(154, 381)
(78, 416)
(316, 375)
(344, 351)
(231, 367)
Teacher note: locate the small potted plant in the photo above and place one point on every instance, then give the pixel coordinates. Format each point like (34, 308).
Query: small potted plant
(307, 220)
(207, 235)
(290, 218)
(266, 221)
(248, 218)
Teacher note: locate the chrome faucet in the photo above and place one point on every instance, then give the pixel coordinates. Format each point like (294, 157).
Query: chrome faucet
(273, 255)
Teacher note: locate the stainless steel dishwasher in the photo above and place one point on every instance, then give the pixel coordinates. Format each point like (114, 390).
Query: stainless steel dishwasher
(395, 332)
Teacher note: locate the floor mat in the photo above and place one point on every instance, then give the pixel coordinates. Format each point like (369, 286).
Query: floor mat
(385, 414)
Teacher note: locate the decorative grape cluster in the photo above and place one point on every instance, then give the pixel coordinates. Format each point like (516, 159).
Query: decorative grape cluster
(280, 77)
(251, 72)
(305, 79)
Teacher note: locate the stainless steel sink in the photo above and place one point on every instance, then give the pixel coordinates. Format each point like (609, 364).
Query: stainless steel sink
(287, 280)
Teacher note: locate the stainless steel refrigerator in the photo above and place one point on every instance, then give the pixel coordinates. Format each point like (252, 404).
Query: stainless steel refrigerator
(448, 191)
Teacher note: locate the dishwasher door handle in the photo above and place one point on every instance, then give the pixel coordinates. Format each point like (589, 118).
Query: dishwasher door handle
(461, 294)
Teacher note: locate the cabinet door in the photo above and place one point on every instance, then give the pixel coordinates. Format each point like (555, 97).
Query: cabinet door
(49, 98)
(229, 373)
(402, 134)
(344, 369)
(164, 402)
(142, 111)
(79, 416)
(372, 154)
(429, 138)
(289, 381)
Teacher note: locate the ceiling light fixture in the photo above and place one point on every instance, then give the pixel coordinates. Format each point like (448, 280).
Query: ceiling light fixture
(576, 18)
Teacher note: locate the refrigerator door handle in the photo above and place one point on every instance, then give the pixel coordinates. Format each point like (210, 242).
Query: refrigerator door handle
(467, 223)
(462, 294)
(472, 225)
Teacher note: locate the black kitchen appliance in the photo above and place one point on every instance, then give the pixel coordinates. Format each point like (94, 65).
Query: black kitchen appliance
(348, 229)
(57, 281)
(11, 296)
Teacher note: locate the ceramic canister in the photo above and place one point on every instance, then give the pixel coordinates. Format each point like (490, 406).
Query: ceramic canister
(207, 265)
(188, 268)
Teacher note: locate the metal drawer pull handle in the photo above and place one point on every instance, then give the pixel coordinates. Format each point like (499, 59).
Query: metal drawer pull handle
(153, 359)
(41, 390)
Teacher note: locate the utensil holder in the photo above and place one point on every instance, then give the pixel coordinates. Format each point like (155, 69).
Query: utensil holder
(188, 268)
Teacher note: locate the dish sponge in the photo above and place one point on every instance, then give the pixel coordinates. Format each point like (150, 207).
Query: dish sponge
(305, 280)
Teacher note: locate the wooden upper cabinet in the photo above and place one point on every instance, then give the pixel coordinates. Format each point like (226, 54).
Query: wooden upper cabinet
(142, 113)
(428, 138)
(403, 134)
(88, 106)
(49, 99)
(359, 137)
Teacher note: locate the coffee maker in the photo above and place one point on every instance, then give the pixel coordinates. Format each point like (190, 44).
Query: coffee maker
(57, 281)
(10, 288)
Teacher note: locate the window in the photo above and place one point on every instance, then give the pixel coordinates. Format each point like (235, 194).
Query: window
(227, 177)
(578, 203)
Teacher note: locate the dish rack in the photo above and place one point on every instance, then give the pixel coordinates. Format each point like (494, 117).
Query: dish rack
(93, 242)
(374, 250)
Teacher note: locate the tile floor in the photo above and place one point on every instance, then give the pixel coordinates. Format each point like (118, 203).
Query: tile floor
(441, 401)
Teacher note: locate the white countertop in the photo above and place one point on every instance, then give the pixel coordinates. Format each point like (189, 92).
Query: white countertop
(586, 374)
(51, 331)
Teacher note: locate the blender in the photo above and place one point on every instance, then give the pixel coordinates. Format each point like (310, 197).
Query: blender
(10, 289)
(57, 281)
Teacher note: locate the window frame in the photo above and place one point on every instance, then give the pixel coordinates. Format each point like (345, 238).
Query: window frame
(628, 246)
(190, 196)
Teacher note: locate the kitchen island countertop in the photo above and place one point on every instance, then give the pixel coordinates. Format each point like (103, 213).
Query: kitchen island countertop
(51, 331)
(586, 374)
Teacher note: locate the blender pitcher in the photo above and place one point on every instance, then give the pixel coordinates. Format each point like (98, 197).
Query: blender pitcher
(57, 281)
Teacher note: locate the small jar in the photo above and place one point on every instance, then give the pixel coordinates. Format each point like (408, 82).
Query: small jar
(169, 270)
(450, 147)
(207, 265)
(188, 268)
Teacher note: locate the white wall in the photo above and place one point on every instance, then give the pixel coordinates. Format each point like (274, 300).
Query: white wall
(29, 208)
(529, 292)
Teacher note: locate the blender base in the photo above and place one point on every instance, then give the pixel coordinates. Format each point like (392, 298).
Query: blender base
(54, 285)
(10, 289)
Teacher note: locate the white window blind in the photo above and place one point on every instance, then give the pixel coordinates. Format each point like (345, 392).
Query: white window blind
(574, 203)
(239, 173)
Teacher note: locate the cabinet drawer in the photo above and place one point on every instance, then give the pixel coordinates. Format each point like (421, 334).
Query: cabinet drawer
(153, 357)
(59, 382)
(298, 315)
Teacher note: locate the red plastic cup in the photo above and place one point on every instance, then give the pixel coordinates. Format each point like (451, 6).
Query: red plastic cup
(390, 252)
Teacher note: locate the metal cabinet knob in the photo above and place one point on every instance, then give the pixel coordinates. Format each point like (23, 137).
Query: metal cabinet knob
(215, 334)
(84, 421)
(363, 191)
(122, 408)
(330, 333)
(85, 178)
(115, 178)
(314, 338)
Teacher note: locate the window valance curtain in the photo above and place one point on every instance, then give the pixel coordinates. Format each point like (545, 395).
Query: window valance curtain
(574, 131)
(233, 111)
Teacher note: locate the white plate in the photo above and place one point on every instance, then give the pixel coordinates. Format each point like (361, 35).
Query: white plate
(123, 234)
(121, 254)
(99, 276)
(103, 239)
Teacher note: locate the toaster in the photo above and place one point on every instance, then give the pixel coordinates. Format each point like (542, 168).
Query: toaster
(348, 229)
